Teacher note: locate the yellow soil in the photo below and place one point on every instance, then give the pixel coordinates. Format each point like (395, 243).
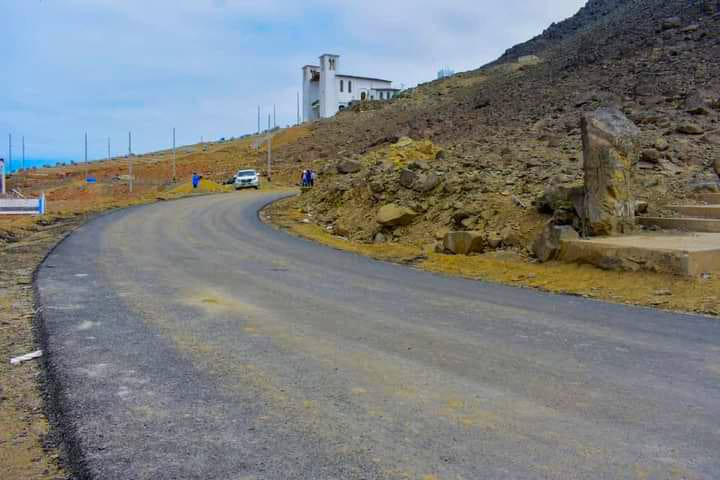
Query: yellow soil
(406, 150)
(636, 288)
(293, 219)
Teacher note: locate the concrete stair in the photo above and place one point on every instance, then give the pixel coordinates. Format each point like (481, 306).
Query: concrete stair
(709, 198)
(687, 254)
(698, 211)
(682, 224)
(687, 245)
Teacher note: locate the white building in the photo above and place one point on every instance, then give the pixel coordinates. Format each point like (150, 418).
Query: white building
(325, 91)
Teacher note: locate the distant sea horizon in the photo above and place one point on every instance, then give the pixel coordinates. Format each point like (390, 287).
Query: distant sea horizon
(30, 163)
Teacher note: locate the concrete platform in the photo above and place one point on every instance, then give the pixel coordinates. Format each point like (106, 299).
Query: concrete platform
(698, 211)
(709, 198)
(706, 225)
(683, 254)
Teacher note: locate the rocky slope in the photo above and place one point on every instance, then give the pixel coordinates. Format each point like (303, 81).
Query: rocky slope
(476, 151)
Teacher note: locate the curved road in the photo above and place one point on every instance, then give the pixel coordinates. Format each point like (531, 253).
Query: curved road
(187, 340)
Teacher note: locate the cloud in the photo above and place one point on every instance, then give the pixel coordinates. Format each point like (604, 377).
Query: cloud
(203, 66)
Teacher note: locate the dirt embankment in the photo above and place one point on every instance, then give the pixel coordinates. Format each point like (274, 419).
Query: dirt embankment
(509, 267)
(497, 138)
(25, 449)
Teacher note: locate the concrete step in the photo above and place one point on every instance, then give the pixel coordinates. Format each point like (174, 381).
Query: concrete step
(682, 254)
(708, 225)
(698, 211)
(709, 198)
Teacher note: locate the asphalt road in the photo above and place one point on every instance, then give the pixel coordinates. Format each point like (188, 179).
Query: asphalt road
(187, 340)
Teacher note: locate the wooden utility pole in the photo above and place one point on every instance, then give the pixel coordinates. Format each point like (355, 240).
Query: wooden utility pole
(130, 163)
(174, 176)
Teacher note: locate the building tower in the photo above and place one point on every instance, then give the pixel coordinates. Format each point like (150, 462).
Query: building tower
(310, 92)
(329, 65)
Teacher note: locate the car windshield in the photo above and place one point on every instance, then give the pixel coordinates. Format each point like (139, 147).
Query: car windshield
(248, 173)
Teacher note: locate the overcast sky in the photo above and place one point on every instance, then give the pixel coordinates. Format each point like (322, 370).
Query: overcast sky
(203, 66)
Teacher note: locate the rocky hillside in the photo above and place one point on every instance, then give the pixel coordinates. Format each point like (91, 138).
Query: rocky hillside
(477, 151)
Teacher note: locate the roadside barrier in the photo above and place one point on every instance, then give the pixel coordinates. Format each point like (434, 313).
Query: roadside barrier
(22, 206)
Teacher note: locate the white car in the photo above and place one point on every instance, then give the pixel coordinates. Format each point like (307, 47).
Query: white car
(247, 179)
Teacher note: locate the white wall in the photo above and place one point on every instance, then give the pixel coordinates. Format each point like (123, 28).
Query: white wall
(327, 90)
(329, 65)
(311, 94)
(358, 86)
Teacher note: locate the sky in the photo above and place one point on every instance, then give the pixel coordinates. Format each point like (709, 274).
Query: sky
(107, 67)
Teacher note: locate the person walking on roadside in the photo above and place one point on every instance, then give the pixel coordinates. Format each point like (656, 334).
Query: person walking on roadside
(313, 178)
(196, 180)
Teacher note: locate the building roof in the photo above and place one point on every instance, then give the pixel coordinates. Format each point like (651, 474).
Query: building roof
(364, 78)
(311, 66)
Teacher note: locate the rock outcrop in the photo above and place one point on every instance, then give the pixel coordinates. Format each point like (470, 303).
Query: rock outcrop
(393, 215)
(547, 246)
(610, 152)
(463, 243)
(348, 166)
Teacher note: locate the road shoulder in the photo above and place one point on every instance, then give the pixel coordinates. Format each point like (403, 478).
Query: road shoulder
(660, 291)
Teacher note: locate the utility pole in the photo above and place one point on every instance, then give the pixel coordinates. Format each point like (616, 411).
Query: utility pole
(269, 152)
(86, 166)
(2, 176)
(130, 165)
(174, 176)
(108, 156)
(259, 127)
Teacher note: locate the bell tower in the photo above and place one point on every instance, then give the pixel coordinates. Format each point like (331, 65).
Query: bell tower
(328, 85)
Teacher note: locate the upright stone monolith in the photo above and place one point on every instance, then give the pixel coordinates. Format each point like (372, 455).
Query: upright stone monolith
(610, 149)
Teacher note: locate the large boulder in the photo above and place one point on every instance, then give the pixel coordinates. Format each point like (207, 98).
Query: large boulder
(700, 102)
(610, 151)
(561, 196)
(348, 166)
(690, 128)
(426, 182)
(548, 244)
(712, 138)
(393, 215)
(463, 243)
(408, 178)
(671, 23)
